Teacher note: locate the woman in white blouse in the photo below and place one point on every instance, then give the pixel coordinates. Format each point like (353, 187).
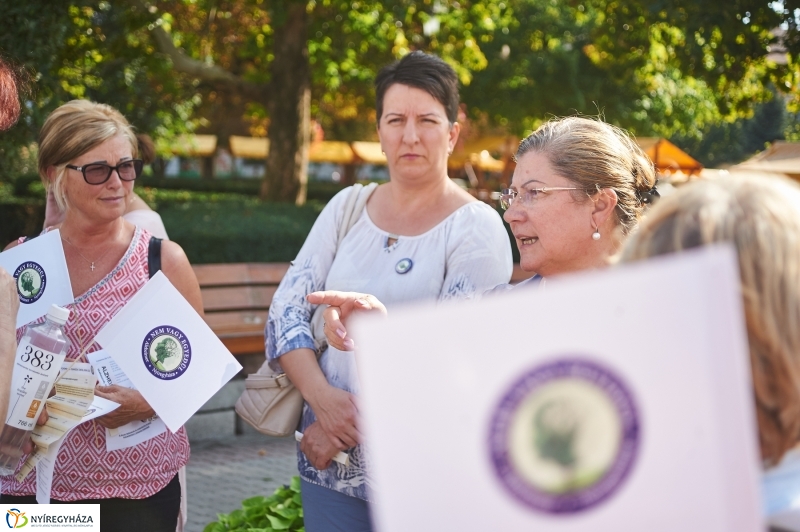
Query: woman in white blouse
(579, 188)
(419, 237)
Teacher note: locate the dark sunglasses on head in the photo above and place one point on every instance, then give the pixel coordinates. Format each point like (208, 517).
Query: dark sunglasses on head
(99, 173)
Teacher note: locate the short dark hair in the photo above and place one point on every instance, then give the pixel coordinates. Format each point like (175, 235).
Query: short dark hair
(421, 71)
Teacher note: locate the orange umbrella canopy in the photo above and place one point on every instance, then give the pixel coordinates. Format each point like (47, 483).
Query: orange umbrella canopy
(668, 157)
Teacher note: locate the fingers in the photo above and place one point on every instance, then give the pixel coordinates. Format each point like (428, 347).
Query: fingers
(335, 331)
(27, 446)
(333, 298)
(43, 417)
(369, 302)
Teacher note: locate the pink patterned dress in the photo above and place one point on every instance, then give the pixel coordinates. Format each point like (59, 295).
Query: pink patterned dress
(84, 469)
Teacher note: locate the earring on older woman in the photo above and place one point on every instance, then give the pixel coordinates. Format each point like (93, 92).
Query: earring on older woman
(596, 234)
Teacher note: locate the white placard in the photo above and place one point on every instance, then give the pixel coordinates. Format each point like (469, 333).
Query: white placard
(607, 401)
(129, 434)
(167, 351)
(41, 272)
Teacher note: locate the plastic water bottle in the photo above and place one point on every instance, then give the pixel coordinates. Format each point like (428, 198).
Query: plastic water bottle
(39, 357)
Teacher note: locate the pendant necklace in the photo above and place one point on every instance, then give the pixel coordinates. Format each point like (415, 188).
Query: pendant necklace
(91, 262)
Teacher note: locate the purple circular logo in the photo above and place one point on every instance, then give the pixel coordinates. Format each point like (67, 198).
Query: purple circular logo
(166, 352)
(31, 282)
(564, 436)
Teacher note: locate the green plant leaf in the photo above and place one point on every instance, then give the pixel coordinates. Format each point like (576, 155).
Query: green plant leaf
(279, 523)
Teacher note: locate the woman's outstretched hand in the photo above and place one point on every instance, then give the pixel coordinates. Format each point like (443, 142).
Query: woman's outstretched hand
(341, 305)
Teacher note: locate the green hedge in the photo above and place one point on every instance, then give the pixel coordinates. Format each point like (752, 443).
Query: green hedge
(234, 228)
(317, 190)
(210, 226)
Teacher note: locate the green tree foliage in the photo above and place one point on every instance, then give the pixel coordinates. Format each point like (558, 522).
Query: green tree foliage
(656, 67)
(89, 50)
(727, 143)
(663, 67)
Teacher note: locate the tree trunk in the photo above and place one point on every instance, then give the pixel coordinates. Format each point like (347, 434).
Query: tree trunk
(289, 106)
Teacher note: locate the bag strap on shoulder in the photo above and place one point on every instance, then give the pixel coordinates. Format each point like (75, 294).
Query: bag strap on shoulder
(153, 256)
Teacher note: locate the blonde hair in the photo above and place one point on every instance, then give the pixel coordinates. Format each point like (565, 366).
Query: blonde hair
(72, 130)
(595, 155)
(760, 215)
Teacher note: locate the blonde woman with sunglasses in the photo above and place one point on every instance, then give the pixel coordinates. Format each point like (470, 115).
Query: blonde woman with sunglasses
(88, 162)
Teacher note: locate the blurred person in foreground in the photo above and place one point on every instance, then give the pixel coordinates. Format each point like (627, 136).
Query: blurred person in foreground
(137, 211)
(419, 237)
(760, 216)
(87, 159)
(10, 109)
(579, 188)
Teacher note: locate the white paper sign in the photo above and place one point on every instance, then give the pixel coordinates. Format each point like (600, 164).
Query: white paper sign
(615, 400)
(41, 272)
(169, 353)
(135, 432)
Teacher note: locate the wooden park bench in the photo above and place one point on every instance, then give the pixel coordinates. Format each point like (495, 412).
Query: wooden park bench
(236, 299)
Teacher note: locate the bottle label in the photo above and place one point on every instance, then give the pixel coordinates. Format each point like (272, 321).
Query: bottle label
(35, 371)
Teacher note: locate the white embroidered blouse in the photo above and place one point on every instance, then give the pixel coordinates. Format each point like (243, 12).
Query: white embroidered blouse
(461, 257)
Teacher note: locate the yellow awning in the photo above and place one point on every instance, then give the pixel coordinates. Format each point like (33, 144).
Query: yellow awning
(369, 152)
(195, 145)
(780, 158)
(329, 151)
(249, 147)
(668, 157)
(478, 152)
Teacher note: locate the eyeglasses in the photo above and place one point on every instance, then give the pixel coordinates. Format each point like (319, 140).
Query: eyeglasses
(527, 196)
(99, 173)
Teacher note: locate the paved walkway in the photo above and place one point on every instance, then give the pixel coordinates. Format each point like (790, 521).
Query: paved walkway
(221, 473)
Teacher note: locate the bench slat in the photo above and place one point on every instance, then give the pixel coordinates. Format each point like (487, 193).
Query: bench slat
(237, 298)
(237, 323)
(242, 274)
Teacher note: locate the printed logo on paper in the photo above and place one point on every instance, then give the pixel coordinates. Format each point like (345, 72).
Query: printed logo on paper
(564, 437)
(31, 282)
(15, 518)
(166, 352)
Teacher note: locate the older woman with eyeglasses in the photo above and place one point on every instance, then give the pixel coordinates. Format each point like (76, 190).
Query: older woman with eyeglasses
(580, 186)
(87, 159)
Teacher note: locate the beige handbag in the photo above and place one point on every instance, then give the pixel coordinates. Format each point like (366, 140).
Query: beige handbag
(270, 403)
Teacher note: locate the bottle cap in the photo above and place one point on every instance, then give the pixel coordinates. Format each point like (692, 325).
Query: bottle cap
(58, 314)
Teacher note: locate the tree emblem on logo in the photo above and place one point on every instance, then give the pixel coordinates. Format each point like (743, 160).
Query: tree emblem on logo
(166, 348)
(556, 429)
(26, 284)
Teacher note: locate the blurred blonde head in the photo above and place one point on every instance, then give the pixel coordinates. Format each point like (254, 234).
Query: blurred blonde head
(72, 130)
(760, 216)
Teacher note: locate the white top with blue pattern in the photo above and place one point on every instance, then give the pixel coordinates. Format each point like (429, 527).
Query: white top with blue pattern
(465, 254)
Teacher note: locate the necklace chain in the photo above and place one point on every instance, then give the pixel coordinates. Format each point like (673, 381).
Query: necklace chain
(91, 262)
